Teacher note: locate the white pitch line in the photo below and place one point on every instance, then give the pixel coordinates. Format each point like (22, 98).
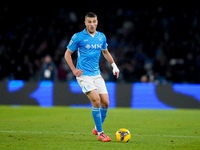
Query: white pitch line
(51, 132)
(46, 132)
(42, 132)
(178, 136)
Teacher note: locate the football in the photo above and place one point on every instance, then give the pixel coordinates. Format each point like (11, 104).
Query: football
(123, 135)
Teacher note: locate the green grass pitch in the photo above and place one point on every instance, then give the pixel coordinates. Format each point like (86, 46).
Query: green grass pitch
(59, 128)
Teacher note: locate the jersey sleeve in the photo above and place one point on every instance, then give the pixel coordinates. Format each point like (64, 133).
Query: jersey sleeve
(105, 45)
(73, 44)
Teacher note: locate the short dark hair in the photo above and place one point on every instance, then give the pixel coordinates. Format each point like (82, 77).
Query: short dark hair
(91, 15)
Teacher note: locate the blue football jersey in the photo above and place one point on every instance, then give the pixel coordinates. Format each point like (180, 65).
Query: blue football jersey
(89, 51)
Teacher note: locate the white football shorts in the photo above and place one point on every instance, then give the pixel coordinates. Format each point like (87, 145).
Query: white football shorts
(89, 83)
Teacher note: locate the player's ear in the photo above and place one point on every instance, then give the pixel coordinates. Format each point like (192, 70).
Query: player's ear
(85, 20)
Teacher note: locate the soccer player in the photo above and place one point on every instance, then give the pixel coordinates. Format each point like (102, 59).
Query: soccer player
(89, 44)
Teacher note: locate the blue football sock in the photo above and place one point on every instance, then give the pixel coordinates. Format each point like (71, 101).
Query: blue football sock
(96, 113)
(103, 113)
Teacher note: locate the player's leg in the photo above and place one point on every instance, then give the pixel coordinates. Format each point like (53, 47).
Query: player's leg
(103, 94)
(104, 99)
(96, 113)
(88, 87)
(104, 106)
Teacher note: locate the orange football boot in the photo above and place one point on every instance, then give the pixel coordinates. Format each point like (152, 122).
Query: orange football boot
(103, 137)
(94, 131)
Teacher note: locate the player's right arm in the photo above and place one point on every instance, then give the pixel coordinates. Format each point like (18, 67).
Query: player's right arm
(68, 58)
(72, 46)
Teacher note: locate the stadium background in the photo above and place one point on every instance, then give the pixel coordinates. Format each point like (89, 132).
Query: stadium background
(160, 41)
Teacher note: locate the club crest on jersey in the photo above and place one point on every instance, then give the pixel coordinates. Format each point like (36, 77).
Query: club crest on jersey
(93, 46)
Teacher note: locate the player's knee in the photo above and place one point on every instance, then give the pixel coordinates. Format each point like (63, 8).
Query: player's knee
(96, 102)
(105, 104)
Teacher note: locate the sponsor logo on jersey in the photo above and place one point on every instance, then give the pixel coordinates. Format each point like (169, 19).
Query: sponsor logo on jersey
(93, 46)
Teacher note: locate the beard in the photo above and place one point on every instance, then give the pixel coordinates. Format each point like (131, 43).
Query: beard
(91, 30)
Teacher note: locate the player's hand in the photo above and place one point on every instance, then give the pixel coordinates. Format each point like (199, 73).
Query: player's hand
(116, 74)
(115, 70)
(77, 72)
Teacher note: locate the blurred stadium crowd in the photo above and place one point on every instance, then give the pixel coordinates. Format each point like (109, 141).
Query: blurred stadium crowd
(158, 44)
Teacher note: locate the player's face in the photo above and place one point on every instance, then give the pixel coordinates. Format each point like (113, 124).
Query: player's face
(91, 24)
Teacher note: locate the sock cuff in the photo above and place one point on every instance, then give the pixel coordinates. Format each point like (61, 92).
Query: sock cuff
(95, 109)
(104, 109)
(100, 133)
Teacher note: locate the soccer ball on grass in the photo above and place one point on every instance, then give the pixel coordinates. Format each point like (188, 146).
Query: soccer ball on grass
(122, 135)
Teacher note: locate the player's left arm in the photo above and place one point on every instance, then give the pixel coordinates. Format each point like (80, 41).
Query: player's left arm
(109, 58)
